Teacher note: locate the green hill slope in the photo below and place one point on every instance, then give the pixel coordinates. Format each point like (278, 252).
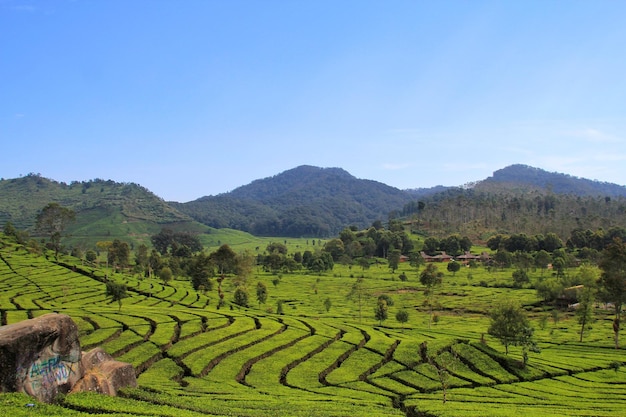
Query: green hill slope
(105, 210)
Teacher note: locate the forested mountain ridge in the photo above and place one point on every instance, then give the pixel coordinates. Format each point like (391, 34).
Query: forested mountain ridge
(304, 201)
(524, 177)
(308, 201)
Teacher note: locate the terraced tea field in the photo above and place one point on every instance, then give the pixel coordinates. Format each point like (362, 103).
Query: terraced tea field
(193, 359)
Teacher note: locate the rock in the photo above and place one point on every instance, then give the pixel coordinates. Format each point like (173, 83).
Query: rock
(103, 374)
(42, 357)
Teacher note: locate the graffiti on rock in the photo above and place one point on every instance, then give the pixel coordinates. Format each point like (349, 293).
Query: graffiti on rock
(48, 372)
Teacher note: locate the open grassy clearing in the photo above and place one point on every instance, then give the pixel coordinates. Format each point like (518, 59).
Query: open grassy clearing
(192, 358)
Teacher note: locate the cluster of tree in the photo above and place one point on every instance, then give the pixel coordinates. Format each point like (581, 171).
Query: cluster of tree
(472, 212)
(453, 245)
(276, 259)
(176, 243)
(598, 240)
(520, 242)
(375, 241)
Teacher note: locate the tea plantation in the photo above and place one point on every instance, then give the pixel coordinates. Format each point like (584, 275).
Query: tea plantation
(317, 358)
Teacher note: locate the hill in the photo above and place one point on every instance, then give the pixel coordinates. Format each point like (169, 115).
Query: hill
(105, 210)
(304, 201)
(527, 178)
(317, 202)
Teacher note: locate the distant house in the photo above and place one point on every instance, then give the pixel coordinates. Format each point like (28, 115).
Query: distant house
(442, 257)
(466, 257)
(404, 258)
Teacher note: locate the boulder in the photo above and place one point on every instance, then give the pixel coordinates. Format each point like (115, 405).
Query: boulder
(42, 357)
(103, 374)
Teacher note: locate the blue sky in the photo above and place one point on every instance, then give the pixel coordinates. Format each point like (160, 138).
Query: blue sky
(193, 98)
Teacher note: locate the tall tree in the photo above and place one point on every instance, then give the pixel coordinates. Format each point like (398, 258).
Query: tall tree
(584, 312)
(357, 294)
(430, 277)
(200, 270)
(261, 293)
(612, 281)
(118, 254)
(52, 221)
(393, 259)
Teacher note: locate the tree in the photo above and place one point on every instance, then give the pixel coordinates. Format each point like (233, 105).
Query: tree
(430, 277)
(453, 267)
(241, 297)
(200, 270)
(141, 257)
(335, 247)
(416, 260)
(402, 316)
(584, 312)
(381, 310)
(542, 259)
(225, 259)
(52, 221)
(520, 277)
(276, 247)
(387, 299)
(165, 274)
(327, 304)
(394, 259)
(91, 256)
(261, 293)
(612, 281)
(117, 292)
(118, 254)
(357, 293)
(510, 325)
(105, 245)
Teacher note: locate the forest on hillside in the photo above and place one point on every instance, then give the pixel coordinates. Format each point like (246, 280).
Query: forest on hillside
(482, 214)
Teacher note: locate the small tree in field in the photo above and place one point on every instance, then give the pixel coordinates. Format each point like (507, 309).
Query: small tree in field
(241, 297)
(117, 292)
(381, 310)
(402, 316)
(327, 304)
(358, 293)
(430, 277)
(510, 325)
(453, 267)
(261, 293)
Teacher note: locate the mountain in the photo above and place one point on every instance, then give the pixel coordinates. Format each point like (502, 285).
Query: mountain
(304, 201)
(105, 210)
(310, 201)
(524, 177)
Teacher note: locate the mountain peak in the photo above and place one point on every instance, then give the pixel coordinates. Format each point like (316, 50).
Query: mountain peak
(525, 176)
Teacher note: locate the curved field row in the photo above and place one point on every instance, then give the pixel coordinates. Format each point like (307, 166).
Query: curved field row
(194, 359)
